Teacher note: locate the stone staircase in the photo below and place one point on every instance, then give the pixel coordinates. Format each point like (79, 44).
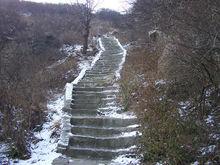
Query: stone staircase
(94, 134)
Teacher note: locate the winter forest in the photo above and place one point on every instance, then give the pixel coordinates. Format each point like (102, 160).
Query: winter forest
(87, 85)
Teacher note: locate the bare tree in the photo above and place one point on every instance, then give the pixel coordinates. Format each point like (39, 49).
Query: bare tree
(86, 10)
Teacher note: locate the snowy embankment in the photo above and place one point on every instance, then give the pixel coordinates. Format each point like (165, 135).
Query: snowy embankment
(124, 52)
(44, 152)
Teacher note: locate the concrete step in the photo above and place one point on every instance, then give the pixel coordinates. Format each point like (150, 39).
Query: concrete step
(100, 132)
(86, 100)
(92, 96)
(84, 112)
(91, 81)
(101, 71)
(98, 84)
(109, 51)
(91, 153)
(113, 56)
(99, 74)
(102, 143)
(107, 65)
(101, 104)
(95, 69)
(94, 89)
(89, 112)
(83, 161)
(86, 106)
(106, 92)
(102, 121)
(90, 100)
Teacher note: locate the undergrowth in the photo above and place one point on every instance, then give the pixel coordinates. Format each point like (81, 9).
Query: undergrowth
(168, 136)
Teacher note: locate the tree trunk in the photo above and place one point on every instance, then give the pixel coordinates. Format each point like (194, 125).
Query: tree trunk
(85, 44)
(86, 38)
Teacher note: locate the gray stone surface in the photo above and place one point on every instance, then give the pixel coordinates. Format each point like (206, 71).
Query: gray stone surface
(92, 137)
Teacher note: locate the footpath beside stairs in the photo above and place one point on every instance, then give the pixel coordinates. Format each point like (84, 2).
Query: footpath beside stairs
(92, 135)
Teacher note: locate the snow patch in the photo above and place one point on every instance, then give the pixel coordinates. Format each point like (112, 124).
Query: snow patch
(68, 94)
(97, 57)
(184, 107)
(44, 152)
(70, 51)
(134, 126)
(158, 163)
(128, 115)
(117, 73)
(78, 48)
(130, 134)
(114, 112)
(160, 82)
(4, 148)
(208, 150)
(195, 163)
(125, 160)
(210, 120)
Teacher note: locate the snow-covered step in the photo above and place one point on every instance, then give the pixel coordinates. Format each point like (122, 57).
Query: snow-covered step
(99, 75)
(103, 64)
(112, 142)
(93, 89)
(90, 111)
(91, 84)
(102, 121)
(100, 66)
(104, 61)
(101, 80)
(114, 52)
(100, 154)
(100, 72)
(99, 131)
(96, 92)
(95, 69)
(113, 56)
(81, 105)
(96, 101)
(85, 106)
(92, 96)
(84, 112)
(92, 100)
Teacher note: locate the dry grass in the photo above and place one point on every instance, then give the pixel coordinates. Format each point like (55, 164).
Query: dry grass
(166, 136)
(24, 107)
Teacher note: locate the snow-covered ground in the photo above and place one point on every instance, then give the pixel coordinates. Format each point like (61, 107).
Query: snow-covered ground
(123, 159)
(3, 149)
(44, 152)
(69, 51)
